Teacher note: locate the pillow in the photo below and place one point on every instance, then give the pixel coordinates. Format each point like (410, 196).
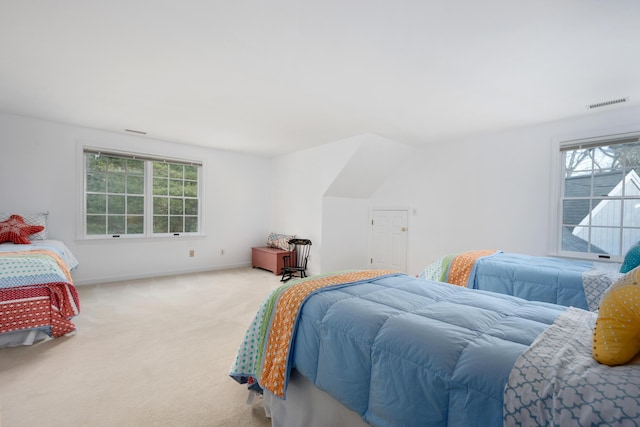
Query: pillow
(616, 336)
(279, 241)
(39, 218)
(15, 230)
(631, 259)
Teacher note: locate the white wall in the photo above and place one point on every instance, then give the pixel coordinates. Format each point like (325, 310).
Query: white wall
(489, 191)
(321, 194)
(345, 234)
(39, 172)
(300, 180)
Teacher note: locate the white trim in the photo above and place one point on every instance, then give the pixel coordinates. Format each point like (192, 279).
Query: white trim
(126, 277)
(81, 174)
(83, 149)
(574, 141)
(599, 141)
(555, 207)
(139, 156)
(595, 134)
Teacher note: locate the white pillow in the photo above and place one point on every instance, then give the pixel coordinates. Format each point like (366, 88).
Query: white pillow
(39, 218)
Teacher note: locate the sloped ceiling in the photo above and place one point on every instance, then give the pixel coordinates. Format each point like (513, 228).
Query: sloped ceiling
(268, 78)
(369, 166)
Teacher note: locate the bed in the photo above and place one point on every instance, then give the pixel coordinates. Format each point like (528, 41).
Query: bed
(385, 349)
(567, 282)
(37, 297)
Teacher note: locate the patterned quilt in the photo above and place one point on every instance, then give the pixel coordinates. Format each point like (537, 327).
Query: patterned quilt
(56, 246)
(456, 269)
(263, 357)
(597, 280)
(36, 292)
(556, 382)
(461, 266)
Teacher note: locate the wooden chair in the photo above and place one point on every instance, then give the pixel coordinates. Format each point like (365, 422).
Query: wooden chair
(295, 264)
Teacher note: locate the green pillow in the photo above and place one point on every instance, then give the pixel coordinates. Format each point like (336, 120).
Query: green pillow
(631, 259)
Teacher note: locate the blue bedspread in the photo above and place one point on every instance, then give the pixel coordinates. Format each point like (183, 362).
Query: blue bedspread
(547, 279)
(567, 282)
(403, 351)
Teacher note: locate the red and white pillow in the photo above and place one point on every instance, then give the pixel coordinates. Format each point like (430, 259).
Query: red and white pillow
(31, 218)
(15, 230)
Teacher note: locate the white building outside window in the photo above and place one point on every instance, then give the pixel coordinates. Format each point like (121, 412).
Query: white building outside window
(600, 197)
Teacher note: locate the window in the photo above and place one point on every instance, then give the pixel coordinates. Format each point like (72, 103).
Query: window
(175, 198)
(600, 197)
(131, 195)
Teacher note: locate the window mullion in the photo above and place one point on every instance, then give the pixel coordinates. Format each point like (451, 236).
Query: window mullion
(598, 196)
(148, 198)
(123, 192)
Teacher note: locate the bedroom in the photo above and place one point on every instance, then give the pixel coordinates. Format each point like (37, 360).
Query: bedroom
(315, 191)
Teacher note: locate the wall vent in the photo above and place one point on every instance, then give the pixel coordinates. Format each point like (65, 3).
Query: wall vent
(607, 103)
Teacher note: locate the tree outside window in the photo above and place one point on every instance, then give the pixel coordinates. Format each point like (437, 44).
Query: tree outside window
(600, 202)
(118, 202)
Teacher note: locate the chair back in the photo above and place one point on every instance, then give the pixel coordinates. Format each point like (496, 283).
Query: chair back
(302, 248)
(295, 263)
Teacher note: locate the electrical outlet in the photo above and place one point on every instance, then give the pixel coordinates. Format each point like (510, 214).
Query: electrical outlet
(192, 253)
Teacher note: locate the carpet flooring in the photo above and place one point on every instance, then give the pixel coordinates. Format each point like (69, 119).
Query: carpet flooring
(151, 352)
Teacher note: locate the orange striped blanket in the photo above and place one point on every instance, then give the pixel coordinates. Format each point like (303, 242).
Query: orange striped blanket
(462, 264)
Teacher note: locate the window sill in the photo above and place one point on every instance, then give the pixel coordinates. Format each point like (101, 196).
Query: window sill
(140, 237)
(587, 257)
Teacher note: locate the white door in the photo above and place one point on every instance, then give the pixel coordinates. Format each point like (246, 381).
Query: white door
(389, 239)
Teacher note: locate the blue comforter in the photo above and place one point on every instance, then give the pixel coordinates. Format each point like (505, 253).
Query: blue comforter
(547, 279)
(402, 351)
(561, 281)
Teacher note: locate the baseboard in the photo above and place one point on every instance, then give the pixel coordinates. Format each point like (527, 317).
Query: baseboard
(111, 279)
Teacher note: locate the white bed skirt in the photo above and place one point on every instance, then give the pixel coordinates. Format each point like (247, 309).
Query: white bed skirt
(14, 339)
(306, 405)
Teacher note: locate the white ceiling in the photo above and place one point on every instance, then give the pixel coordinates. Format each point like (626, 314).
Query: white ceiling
(269, 77)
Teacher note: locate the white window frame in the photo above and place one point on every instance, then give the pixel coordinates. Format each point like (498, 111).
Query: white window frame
(558, 185)
(147, 194)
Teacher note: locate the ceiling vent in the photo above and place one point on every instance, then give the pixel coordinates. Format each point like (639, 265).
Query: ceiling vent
(608, 103)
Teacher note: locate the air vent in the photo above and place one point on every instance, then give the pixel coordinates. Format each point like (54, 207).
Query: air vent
(139, 132)
(608, 103)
